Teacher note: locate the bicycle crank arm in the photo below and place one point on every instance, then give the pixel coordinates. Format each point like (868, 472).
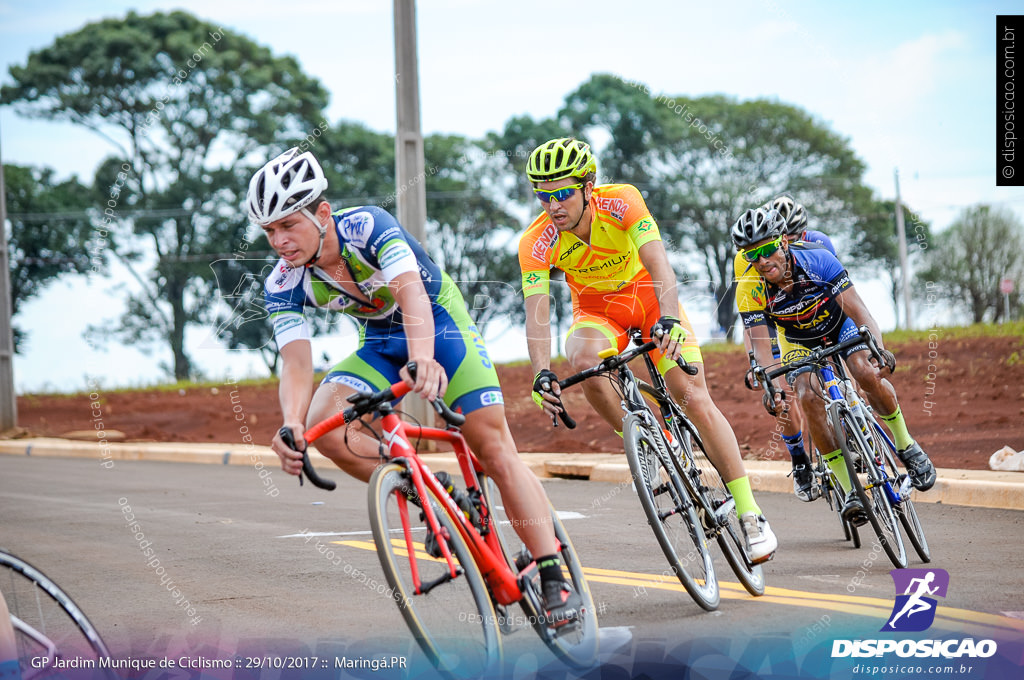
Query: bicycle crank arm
(430, 585)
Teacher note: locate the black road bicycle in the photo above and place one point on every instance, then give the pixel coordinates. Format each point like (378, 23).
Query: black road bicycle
(869, 453)
(684, 497)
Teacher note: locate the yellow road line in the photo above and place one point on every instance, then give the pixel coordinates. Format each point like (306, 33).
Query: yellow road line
(874, 607)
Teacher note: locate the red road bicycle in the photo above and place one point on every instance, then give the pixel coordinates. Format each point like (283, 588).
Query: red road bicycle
(456, 603)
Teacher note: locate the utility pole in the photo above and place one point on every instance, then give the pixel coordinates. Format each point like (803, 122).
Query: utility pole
(8, 401)
(904, 264)
(409, 164)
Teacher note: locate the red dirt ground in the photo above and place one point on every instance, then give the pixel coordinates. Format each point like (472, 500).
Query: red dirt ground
(975, 407)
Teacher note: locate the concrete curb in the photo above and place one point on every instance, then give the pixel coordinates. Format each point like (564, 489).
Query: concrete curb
(975, 488)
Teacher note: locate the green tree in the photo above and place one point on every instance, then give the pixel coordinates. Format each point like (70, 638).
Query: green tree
(472, 237)
(699, 162)
(188, 105)
(53, 233)
(979, 249)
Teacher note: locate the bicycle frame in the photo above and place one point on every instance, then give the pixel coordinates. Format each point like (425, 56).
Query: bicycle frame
(486, 550)
(829, 367)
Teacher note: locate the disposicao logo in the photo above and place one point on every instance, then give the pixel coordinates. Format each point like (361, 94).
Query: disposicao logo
(914, 609)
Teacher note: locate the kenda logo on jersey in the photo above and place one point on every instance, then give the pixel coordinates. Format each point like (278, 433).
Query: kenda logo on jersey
(914, 611)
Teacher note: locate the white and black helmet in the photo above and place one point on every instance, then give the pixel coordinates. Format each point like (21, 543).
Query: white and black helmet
(284, 186)
(793, 212)
(757, 224)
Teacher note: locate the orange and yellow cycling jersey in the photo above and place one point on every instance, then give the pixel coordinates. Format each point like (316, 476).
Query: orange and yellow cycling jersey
(611, 261)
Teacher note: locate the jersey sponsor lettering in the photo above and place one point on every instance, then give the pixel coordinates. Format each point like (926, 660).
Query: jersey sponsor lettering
(616, 207)
(356, 228)
(546, 242)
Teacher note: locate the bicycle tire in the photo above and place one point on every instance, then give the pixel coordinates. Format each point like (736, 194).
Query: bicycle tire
(578, 649)
(873, 496)
(905, 509)
(678, 523)
(50, 625)
(705, 481)
(454, 622)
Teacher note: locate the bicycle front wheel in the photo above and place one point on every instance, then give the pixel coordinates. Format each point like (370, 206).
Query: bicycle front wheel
(451, 615)
(870, 485)
(707, 482)
(50, 631)
(670, 512)
(703, 478)
(905, 507)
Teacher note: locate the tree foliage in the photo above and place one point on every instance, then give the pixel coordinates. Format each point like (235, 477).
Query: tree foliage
(52, 233)
(187, 105)
(969, 260)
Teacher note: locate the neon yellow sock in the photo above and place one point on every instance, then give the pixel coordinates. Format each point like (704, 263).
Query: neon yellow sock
(838, 467)
(619, 432)
(740, 490)
(898, 427)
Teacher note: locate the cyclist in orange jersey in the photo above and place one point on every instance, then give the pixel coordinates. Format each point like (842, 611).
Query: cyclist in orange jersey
(608, 245)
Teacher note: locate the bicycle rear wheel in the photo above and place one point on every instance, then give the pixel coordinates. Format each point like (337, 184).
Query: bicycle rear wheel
(452, 617)
(50, 631)
(670, 512)
(578, 647)
(870, 485)
(706, 481)
(905, 507)
(833, 492)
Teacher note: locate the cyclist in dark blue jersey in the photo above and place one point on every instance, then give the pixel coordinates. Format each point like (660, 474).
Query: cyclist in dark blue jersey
(808, 296)
(790, 421)
(363, 263)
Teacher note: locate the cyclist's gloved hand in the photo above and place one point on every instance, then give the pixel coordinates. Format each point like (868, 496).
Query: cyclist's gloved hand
(545, 382)
(775, 406)
(890, 360)
(669, 334)
(669, 325)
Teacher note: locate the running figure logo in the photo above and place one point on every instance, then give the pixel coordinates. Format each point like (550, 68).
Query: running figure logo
(914, 610)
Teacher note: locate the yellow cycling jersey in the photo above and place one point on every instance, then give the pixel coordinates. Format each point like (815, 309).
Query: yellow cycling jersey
(611, 261)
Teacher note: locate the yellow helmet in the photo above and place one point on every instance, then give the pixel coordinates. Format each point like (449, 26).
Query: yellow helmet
(560, 158)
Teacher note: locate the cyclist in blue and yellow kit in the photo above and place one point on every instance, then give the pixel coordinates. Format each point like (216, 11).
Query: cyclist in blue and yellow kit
(361, 262)
(789, 418)
(807, 295)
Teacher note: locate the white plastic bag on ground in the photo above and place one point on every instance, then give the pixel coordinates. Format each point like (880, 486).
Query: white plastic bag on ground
(1007, 459)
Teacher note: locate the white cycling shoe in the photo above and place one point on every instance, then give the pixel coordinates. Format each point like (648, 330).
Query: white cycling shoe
(758, 535)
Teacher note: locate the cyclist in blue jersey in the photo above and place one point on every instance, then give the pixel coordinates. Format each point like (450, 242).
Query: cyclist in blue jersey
(362, 262)
(808, 296)
(789, 418)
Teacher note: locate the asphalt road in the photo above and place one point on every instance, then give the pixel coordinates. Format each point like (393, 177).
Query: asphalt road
(228, 542)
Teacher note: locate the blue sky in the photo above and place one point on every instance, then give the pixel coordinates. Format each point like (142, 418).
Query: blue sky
(911, 85)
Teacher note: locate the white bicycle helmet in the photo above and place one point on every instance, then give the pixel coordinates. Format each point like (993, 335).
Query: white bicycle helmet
(286, 185)
(757, 224)
(793, 212)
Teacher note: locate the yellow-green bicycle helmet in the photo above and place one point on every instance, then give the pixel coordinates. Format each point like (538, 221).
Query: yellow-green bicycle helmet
(560, 158)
